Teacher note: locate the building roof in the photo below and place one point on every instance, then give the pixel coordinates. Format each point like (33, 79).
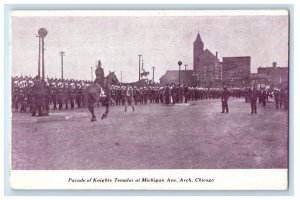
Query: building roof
(198, 39)
(208, 53)
(233, 57)
(173, 75)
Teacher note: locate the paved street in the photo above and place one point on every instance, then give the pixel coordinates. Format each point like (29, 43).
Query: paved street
(155, 136)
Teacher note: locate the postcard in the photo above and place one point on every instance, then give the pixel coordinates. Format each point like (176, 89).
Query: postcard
(149, 99)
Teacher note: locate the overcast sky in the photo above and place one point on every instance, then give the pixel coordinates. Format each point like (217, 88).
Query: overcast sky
(162, 41)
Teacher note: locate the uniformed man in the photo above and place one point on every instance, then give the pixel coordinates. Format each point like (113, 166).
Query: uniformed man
(66, 94)
(276, 97)
(185, 93)
(60, 95)
(99, 74)
(78, 93)
(22, 96)
(84, 94)
(30, 95)
(167, 94)
(53, 95)
(118, 95)
(71, 94)
(136, 94)
(128, 97)
(174, 93)
(36, 100)
(253, 95)
(122, 92)
(224, 99)
(40, 92)
(263, 97)
(15, 94)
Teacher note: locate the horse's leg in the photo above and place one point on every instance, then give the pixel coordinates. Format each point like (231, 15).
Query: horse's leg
(91, 106)
(106, 111)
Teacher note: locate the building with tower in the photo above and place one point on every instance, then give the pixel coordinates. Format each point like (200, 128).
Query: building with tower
(206, 65)
(209, 72)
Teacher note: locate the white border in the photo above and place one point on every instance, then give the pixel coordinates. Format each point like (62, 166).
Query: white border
(217, 179)
(144, 13)
(226, 179)
(257, 196)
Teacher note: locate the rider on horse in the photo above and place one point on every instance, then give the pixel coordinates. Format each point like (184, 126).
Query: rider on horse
(101, 91)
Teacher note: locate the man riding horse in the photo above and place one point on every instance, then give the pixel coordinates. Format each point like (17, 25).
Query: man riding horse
(100, 91)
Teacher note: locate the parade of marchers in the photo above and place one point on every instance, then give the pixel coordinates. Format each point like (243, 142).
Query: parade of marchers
(71, 94)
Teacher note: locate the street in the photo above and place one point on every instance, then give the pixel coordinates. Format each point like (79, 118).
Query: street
(155, 136)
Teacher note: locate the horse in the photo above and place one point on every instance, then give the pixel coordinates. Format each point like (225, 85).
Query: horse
(101, 92)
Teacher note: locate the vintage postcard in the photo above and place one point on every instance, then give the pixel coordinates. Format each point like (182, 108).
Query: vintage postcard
(149, 99)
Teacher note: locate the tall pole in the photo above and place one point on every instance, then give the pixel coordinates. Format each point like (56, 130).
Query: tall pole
(62, 54)
(140, 66)
(43, 60)
(92, 73)
(185, 72)
(39, 58)
(143, 64)
(153, 68)
(42, 34)
(121, 77)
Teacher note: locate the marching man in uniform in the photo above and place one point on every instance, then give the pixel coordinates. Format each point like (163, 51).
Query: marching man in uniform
(128, 97)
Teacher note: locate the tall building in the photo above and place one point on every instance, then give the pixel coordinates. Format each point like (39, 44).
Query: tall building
(205, 65)
(236, 71)
(272, 76)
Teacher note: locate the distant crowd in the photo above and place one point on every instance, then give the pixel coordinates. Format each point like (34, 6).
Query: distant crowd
(71, 94)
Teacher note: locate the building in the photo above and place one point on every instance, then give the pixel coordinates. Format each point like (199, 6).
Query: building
(271, 76)
(172, 76)
(205, 65)
(236, 71)
(209, 72)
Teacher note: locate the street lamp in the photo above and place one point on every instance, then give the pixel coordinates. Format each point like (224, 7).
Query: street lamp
(179, 64)
(42, 33)
(43, 106)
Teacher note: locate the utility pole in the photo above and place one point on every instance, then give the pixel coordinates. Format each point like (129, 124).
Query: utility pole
(153, 68)
(92, 73)
(140, 66)
(121, 77)
(185, 66)
(62, 54)
(39, 59)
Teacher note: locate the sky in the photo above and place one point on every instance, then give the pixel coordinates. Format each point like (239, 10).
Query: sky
(162, 40)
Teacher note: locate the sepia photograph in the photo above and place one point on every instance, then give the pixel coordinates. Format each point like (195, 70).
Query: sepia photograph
(149, 99)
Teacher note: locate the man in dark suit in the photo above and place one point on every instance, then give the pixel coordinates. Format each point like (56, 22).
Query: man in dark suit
(224, 99)
(253, 94)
